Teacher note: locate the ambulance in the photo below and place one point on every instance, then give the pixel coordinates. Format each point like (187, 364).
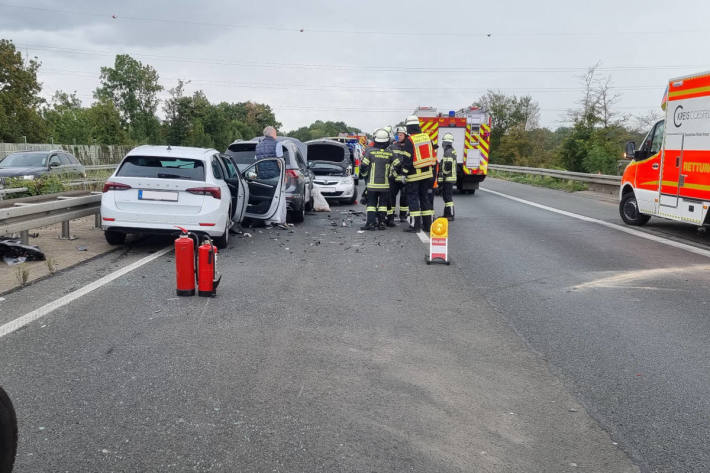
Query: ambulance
(471, 128)
(669, 176)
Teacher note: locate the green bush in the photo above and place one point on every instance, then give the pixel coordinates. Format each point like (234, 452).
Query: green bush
(48, 184)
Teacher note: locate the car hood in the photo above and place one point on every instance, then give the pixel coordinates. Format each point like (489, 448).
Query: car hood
(13, 172)
(341, 164)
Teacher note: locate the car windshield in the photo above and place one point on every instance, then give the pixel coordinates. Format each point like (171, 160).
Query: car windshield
(326, 152)
(327, 169)
(162, 168)
(24, 160)
(242, 154)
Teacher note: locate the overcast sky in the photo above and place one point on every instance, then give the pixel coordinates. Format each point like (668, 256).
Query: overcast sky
(369, 63)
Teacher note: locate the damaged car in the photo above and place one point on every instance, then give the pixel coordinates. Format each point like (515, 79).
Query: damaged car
(331, 163)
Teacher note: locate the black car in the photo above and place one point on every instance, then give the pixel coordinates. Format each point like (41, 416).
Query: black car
(299, 179)
(33, 164)
(8, 433)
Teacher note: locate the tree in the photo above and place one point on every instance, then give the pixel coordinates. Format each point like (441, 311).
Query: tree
(507, 112)
(106, 125)
(67, 121)
(19, 96)
(321, 129)
(134, 88)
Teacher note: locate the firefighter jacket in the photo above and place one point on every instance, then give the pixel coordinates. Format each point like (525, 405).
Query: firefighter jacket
(375, 168)
(447, 167)
(423, 152)
(406, 153)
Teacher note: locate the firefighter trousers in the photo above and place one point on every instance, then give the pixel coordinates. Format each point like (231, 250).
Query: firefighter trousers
(377, 202)
(401, 189)
(420, 195)
(447, 191)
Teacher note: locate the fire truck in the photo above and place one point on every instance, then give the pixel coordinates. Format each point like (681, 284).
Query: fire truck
(471, 128)
(669, 176)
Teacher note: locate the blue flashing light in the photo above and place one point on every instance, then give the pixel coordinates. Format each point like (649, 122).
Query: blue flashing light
(452, 114)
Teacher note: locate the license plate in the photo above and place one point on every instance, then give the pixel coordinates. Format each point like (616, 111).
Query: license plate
(168, 196)
(327, 189)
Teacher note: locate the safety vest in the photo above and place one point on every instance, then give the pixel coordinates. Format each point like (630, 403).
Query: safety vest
(423, 151)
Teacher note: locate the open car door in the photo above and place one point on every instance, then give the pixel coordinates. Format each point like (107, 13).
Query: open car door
(238, 188)
(265, 182)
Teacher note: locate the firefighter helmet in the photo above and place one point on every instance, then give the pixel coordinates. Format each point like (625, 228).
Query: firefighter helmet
(448, 138)
(381, 136)
(412, 120)
(401, 129)
(388, 129)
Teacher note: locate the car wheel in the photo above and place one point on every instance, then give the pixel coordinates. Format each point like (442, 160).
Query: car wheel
(629, 211)
(8, 433)
(114, 237)
(296, 216)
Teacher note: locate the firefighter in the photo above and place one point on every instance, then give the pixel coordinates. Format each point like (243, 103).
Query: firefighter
(398, 181)
(418, 159)
(447, 175)
(375, 169)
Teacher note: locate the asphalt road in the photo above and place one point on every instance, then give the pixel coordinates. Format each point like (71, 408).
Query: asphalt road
(548, 342)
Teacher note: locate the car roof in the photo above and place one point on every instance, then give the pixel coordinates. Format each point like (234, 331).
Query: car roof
(326, 141)
(187, 152)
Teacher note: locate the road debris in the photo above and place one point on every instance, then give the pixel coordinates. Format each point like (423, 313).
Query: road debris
(15, 249)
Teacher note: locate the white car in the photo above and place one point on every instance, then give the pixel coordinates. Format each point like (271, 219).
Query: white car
(156, 189)
(332, 165)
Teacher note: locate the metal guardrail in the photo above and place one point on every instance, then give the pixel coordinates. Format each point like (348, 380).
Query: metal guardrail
(603, 179)
(100, 166)
(22, 215)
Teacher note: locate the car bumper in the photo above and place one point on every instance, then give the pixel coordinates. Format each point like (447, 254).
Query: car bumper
(339, 191)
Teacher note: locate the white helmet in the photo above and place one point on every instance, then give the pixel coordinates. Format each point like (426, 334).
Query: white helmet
(412, 120)
(381, 136)
(401, 129)
(448, 138)
(388, 129)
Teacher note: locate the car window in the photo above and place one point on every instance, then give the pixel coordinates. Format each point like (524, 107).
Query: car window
(72, 159)
(657, 141)
(242, 154)
(162, 168)
(217, 169)
(299, 159)
(22, 160)
(54, 159)
(229, 166)
(65, 159)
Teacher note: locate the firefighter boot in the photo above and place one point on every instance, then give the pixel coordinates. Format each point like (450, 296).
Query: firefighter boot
(447, 213)
(417, 226)
(390, 220)
(426, 223)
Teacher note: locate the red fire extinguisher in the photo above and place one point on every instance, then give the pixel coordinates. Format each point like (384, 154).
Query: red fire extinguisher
(207, 279)
(185, 262)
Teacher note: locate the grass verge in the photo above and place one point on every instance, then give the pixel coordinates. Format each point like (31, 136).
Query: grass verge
(566, 185)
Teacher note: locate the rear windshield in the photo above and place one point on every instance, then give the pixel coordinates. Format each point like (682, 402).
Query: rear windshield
(242, 154)
(326, 152)
(25, 160)
(327, 169)
(162, 168)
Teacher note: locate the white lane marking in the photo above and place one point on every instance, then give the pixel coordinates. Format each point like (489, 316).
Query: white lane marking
(630, 231)
(422, 236)
(30, 317)
(621, 279)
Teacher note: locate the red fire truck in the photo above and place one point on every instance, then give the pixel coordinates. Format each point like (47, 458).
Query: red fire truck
(471, 128)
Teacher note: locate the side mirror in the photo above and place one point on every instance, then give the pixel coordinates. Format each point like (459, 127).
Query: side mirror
(251, 175)
(630, 150)
(54, 164)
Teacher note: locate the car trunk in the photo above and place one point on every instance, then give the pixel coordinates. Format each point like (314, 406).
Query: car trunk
(159, 199)
(331, 153)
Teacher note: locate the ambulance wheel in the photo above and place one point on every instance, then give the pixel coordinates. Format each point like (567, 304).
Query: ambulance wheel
(629, 211)
(8, 433)
(114, 238)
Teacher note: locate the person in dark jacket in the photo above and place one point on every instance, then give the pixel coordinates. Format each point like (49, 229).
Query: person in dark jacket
(418, 167)
(375, 169)
(447, 175)
(398, 181)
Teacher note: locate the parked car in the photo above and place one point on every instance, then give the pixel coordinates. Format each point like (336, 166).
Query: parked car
(156, 188)
(330, 162)
(32, 164)
(299, 179)
(8, 433)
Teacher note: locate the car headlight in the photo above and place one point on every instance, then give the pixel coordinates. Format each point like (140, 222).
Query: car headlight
(347, 180)
(28, 177)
